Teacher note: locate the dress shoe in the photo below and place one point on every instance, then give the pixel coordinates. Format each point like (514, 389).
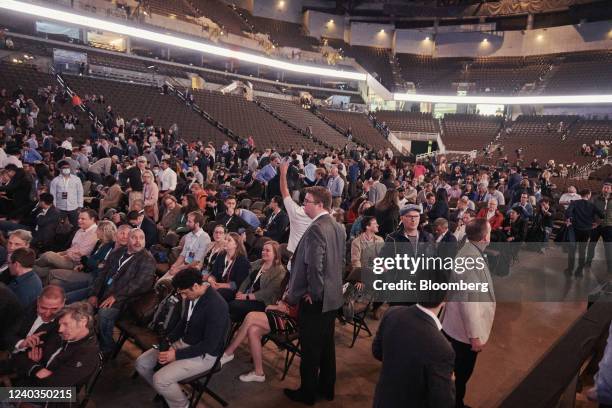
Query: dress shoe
(297, 396)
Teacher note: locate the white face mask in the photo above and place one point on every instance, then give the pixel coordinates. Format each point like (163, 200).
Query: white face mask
(66, 171)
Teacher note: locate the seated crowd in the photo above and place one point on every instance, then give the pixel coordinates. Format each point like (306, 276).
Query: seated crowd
(90, 229)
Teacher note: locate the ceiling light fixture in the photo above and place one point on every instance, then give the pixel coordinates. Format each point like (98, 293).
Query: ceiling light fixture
(99, 24)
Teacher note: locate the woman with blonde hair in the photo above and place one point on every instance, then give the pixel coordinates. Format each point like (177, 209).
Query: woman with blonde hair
(263, 286)
(151, 195)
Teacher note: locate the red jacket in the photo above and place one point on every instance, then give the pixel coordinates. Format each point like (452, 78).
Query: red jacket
(497, 220)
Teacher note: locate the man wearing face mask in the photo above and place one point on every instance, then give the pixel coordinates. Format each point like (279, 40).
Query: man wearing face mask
(67, 191)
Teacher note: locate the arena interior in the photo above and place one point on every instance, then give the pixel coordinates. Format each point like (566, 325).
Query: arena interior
(247, 163)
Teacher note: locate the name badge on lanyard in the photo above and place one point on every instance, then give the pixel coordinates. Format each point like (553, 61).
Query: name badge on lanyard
(121, 264)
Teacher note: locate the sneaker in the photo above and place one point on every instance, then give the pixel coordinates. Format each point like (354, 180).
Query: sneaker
(252, 377)
(226, 359)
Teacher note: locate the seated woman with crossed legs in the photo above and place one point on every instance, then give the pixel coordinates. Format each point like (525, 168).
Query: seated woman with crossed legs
(278, 317)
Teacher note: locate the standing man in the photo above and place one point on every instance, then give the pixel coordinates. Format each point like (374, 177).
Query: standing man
(67, 191)
(417, 359)
(167, 178)
(133, 178)
(581, 215)
(604, 230)
(335, 185)
(316, 285)
(298, 220)
(468, 317)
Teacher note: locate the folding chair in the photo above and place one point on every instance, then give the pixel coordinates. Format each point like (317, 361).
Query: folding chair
(288, 342)
(199, 382)
(92, 382)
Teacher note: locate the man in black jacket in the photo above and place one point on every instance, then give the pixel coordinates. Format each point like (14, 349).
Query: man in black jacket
(128, 273)
(133, 178)
(581, 215)
(11, 314)
(197, 340)
(66, 362)
(408, 241)
(417, 359)
(229, 218)
(277, 223)
(141, 221)
(39, 323)
(15, 196)
(47, 217)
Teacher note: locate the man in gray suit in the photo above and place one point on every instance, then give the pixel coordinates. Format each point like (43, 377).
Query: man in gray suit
(468, 316)
(316, 285)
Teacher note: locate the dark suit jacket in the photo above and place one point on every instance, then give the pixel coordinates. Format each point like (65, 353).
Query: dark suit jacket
(73, 366)
(25, 324)
(133, 178)
(318, 263)
(135, 278)
(582, 214)
(45, 234)
(18, 195)
(447, 247)
(11, 314)
(150, 230)
(417, 361)
(276, 229)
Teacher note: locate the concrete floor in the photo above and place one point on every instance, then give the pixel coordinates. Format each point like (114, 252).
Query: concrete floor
(522, 332)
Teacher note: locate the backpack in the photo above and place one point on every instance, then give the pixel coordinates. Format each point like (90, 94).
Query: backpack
(167, 314)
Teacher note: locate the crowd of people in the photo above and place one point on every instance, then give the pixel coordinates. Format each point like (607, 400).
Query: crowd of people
(254, 242)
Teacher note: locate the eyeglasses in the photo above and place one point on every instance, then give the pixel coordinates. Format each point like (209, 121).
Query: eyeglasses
(306, 201)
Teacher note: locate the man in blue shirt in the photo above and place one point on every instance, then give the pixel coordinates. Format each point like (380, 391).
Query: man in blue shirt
(25, 283)
(268, 172)
(335, 185)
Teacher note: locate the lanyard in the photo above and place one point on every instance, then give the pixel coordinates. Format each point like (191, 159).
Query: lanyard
(255, 280)
(192, 305)
(271, 218)
(228, 221)
(123, 261)
(228, 266)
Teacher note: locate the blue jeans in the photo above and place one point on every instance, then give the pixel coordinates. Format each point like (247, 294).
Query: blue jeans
(106, 323)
